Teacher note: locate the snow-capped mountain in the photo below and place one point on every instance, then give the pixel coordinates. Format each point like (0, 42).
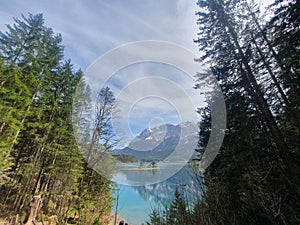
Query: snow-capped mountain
(164, 142)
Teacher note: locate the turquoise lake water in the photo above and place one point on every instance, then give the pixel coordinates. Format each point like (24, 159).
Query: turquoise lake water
(137, 202)
(133, 206)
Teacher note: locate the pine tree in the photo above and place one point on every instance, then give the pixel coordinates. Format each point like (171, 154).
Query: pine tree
(255, 146)
(40, 155)
(95, 135)
(33, 48)
(14, 99)
(254, 178)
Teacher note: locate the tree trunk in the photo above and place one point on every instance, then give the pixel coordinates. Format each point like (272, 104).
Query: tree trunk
(14, 220)
(22, 121)
(269, 44)
(266, 64)
(262, 103)
(34, 207)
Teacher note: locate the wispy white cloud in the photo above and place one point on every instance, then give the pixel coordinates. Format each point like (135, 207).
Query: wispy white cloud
(90, 28)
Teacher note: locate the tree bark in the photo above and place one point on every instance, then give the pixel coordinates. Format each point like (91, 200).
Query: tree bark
(14, 220)
(23, 120)
(270, 46)
(34, 207)
(266, 64)
(262, 103)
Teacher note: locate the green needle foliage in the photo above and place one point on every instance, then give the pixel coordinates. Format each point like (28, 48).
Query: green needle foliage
(255, 177)
(38, 151)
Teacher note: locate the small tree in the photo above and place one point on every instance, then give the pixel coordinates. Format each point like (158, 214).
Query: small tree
(95, 190)
(153, 164)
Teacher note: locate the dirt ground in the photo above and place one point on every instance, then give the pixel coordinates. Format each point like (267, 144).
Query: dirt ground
(111, 221)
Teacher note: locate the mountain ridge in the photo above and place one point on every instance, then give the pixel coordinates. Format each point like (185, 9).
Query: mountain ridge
(164, 142)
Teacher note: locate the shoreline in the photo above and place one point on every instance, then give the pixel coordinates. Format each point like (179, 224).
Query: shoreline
(142, 168)
(112, 219)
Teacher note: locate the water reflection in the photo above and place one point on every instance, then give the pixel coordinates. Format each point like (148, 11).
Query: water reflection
(132, 175)
(164, 192)
(136, 202)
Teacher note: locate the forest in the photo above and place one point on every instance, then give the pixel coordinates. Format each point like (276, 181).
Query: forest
(255, 178)
(39, 155)
(255, 58)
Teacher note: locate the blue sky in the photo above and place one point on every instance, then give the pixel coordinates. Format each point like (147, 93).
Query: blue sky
(90, 28)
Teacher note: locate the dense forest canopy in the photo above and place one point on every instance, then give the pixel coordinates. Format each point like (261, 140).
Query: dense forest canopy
(255, 177)
(39, 153)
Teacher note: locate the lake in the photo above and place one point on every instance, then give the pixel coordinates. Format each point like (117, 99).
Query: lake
(136, 202)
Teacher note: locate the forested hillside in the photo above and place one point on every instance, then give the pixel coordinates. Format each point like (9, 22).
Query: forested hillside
(38, 152)
(255, 178)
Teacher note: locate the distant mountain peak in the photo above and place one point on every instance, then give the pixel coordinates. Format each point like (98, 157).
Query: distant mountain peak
(160, 141)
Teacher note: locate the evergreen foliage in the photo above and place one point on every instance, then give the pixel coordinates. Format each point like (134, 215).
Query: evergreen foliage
(255, 177)
(38, 151)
